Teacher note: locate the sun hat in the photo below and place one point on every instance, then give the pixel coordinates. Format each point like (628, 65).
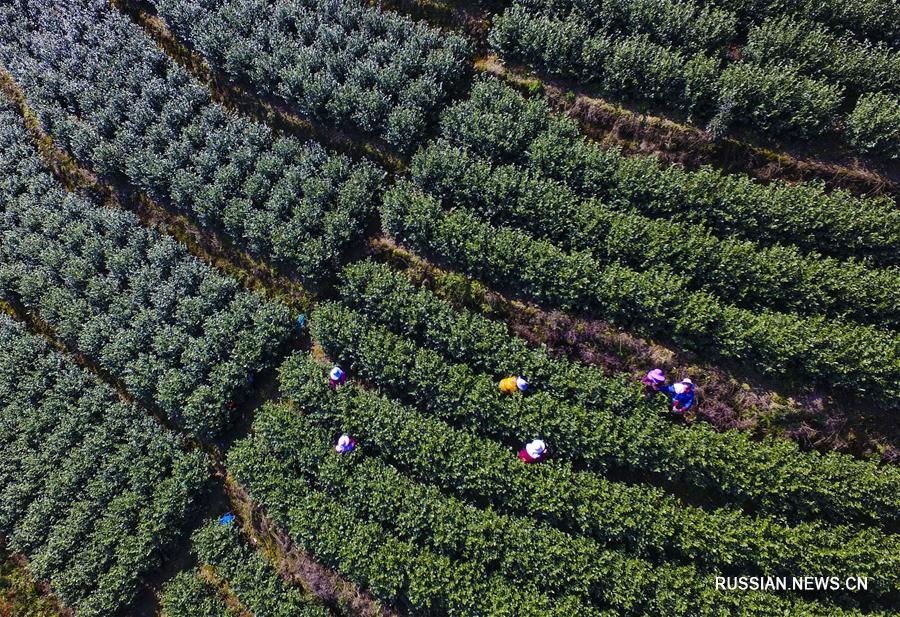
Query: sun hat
(536, 448)
(344, 443)
(680, 388)
(521, 383)
(656, 375)
(336, 373)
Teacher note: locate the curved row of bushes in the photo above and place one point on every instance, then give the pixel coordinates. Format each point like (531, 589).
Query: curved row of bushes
(341, 61)
(788, 37)
(489, 543)
(736, 271)
(685, 24)
(499, 123)
(647, 522)
(857, 360)
(394, 570)
(92, 492)
(253, 581)
(180, 336)
(795, 483)
(814, 50)
(121, 106)
(878, 20)
(478, 470)
(777, 95)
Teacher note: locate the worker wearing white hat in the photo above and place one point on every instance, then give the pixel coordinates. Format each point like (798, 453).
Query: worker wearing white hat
(336, 377)
(682, 394)
(511, 385)
(345, 444)
(534, 451)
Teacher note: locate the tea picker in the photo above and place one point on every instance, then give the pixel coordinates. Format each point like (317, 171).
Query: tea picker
(511, 385)
(534, 451)
(345, 444)
(653, 381)
(682, 394)
(337, 377)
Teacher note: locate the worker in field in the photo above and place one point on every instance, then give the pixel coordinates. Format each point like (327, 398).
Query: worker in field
(534, 451)
(345, 444)
(336, 377)
(682, 395)
(511, 385)
(653, 381)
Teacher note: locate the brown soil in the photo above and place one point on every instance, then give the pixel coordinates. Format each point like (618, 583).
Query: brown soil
(728, 398)
(20, 595)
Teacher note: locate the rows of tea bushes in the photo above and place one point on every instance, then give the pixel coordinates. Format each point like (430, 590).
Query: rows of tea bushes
(393, 569)
(499, 123)
(736, 271)
(341, 61)
(380, 493)
(641, 519)
(105, 93)
(646, 56)
(229, 561)
(480, 471)
(180, 336)
(874, 124)
(616, 422)
(685, 24)
(788, 37)
(777, 100)
(861, 67)
(188, 594)
(858, 360)
(92, 492)
(877, 20)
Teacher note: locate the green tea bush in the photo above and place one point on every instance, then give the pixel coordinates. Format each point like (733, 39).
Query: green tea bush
(188, 595)
(340, 61)
(788, 80)
(874, 125)
(119, 105)
(736, 271)
(685, 24)
(181, 337)
(858, 360)
(617, 423)
(777, 99)
(393, 569)
(93, 492)
(814, 50)
(499, 123)
(477, 471)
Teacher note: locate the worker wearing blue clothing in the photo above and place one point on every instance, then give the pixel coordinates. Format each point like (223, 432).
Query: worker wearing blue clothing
(682, 394)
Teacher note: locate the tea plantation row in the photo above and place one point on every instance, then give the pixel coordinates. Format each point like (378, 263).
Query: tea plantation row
(181, 337)
(421, 565)
(92, 491)
(227, 561)
(119, 105)
(681, 56)
(773, 473)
